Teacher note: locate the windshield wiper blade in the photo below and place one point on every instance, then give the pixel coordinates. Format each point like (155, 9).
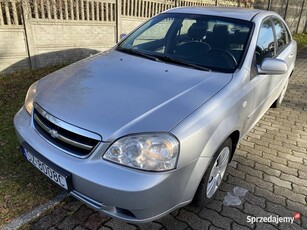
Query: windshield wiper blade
(136, 52)
(182, 62)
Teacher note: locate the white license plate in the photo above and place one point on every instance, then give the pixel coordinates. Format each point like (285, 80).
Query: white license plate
(47, 170)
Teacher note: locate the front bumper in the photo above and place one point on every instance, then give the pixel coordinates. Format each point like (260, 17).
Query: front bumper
(128, 194)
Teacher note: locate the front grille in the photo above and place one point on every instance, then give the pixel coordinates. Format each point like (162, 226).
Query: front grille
(72, 139)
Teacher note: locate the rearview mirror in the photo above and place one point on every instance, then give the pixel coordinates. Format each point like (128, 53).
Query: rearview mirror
(272, 66)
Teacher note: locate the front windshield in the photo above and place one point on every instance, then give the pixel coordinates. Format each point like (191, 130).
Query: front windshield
(214, 42)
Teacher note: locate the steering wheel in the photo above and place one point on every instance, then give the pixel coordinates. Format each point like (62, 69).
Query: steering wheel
(219, 55)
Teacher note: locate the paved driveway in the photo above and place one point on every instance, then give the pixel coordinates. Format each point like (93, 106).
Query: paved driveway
(271, 163)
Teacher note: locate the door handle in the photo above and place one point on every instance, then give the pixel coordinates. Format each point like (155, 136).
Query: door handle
(291, 55)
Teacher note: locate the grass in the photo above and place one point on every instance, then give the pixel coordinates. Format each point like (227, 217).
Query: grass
(301, 40)
(22, 187)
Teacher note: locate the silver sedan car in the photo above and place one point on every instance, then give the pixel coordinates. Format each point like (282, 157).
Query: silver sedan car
(151, 125)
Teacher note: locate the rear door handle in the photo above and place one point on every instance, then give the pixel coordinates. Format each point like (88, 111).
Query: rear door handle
(291, 55)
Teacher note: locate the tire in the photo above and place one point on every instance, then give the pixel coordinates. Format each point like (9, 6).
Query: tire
(213, 178)
(279, 100)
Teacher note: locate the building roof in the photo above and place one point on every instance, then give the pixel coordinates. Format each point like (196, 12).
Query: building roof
(230, 12)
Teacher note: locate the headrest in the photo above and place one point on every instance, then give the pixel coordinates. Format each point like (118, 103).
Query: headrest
(220, 28)
(197, 30)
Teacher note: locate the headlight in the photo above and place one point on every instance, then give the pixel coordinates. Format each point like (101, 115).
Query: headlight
(152, 152)
(30, 96)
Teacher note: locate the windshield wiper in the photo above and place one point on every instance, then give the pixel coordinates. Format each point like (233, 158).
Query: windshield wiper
(138, 53)
(182, 62)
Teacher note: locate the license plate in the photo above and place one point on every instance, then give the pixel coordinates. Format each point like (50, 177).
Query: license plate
(47, 170)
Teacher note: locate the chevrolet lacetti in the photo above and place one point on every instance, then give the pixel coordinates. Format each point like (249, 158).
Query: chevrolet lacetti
(151, 124)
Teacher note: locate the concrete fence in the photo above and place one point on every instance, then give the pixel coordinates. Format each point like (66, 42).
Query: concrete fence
(37, 33)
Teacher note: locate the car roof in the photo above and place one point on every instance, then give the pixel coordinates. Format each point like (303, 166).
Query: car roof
(229, 12)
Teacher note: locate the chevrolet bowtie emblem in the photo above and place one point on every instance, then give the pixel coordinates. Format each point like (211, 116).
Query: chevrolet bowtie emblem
(54, 133)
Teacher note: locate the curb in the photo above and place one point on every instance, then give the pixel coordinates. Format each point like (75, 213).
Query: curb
(35, 213)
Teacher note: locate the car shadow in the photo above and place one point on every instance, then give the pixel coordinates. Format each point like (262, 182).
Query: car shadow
(54, 58)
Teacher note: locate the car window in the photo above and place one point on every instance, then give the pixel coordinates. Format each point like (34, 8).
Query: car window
(156, 32)
(186, 24)
(265, 43)
(281, 35)
(216, 43)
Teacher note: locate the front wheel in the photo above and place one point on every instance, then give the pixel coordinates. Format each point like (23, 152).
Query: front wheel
(213, 177)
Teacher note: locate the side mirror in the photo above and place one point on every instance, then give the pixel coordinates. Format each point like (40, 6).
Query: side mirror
(122, 36)
(272, 66)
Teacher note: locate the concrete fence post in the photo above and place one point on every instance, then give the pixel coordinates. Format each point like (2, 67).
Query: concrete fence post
(286, 9)
(269, 5)
(300, 18)
(118, 19)
(26, 15)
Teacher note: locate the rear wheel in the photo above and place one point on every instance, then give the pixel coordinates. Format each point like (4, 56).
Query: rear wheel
(213, 177)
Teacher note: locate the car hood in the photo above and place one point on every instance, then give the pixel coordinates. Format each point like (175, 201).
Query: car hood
(115, 94)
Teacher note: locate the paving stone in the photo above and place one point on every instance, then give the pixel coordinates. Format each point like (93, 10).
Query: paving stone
(244, 161)
(279, 210)
(215, 205)
(215, 218)
(251, 150)
(233, 164)
(263, 226)
(297, 166)
(290, 157)
(283, 168)
(279, 148)
(212, 227)
(114, 224)
(193, 220)
(271, 139)
(169, 222)
(302, 175)
(267, 170)
(293, 179)
(44, 223)
(302, 155)
(255, 200)
(79, 228)
(259, 159)
(259, 182)
(68, 223)
(236, 215)
(149, 226)
(72, 204)
(289, 194)
(235, 172)
(241, 183)
(240, 227)
(226, 187)
(295, 147)
(95, 220)
(194, 208)
(274, 158)
(240, 153)
(250, 171)
(299, 189)
(297, 207)
(304, 222)
(277, 181)
(255, 210)
(290, 226)
(248, 143)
